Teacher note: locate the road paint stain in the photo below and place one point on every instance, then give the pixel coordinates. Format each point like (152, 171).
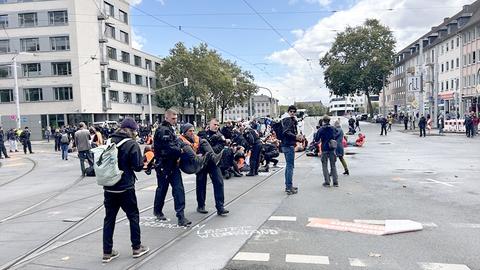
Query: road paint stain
(153, 222)
(356, 262)
(390, 226)
(443, 266)
(282, 218)
(234, 231)
(466, 225)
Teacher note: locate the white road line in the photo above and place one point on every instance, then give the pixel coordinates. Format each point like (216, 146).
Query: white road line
(466, 225)
(357, 262)
(448, 184)
(443, 266)
(282, 218)
(252, 256)
(310, 259)
(429, 224)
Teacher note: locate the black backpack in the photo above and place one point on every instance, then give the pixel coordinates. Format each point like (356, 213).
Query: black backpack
(277, 127)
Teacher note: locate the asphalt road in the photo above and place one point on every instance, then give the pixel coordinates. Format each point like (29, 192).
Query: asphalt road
(53, 214)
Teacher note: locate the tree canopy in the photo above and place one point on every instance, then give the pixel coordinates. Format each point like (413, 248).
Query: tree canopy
(360, 60)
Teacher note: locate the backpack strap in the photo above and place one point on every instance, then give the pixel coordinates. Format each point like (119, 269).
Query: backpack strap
(123, 141)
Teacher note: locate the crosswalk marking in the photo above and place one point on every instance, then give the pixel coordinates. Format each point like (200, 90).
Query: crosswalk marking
(298, 258)
(357, 262)
(283, 218)
(252, 256)
(443, 266)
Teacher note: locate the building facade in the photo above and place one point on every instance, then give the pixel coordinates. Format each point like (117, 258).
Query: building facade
(258, 106)
(339, 106)
(75, 62)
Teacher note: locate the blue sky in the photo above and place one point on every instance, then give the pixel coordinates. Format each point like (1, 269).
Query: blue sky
(308, 25)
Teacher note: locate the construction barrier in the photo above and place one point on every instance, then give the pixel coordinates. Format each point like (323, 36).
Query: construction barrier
(455, 126)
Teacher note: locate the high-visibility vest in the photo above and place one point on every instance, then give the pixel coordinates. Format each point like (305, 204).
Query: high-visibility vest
(196, 142)
(147, 158)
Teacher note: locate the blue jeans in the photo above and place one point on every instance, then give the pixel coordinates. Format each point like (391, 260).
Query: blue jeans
(64, 147)
(289, 152)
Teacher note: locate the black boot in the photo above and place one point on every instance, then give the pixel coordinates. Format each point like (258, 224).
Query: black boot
(346, 172)
(183, 222)
(202, 210)
(237, 174)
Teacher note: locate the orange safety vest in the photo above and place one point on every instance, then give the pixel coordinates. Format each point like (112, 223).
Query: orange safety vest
(147, 158)
(196, 142)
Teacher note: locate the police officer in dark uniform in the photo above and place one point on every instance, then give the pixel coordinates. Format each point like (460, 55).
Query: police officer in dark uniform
(25, 139)
(218, 143)
(167, 152)
(255, 146)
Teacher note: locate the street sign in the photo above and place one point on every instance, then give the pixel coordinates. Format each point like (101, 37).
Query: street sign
(13, 117)
(413, 83)
(24, 119)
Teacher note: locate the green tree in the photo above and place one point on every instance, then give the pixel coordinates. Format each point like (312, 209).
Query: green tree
(359, 60)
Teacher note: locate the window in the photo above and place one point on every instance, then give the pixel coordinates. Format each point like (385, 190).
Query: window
(112, 53)
(138, 61)
(27, 19)
(446, 66)
(126, 77)
(125, 57)
(452, 44)
(31, 70)
(60, 43)
(473, 57)
(58, 17)
(112, 74)
(451, 65)
(4, 46)
(138, 80)
(33, 94)
(127, 97)
(148, 64)
(458, 41)
(3, 21)
(61, 69)
(139, 99)
(123, 16)
(442, 67)
(5, 71)
(110, 31)
(113, 95)
(6, 95)
(446, 47)
(124, 37)
(446, 85)
(109, 9)
(63, 93)
(29, 44)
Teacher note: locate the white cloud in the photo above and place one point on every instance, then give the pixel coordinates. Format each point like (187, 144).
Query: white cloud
(409, 19)
(323, 3)
(138, 41)
(162, 2)
(134, 2)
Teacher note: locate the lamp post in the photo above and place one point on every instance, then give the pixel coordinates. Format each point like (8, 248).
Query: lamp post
(477, 90)
(15, 78)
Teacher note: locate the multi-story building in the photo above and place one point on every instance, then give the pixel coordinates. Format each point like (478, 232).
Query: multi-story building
(75, 62)
(257, 106)
(439, 69)
(338, 105)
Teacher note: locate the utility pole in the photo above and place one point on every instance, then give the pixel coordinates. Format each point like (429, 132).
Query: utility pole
(384, 96)
(17, 95)
(149, 95)
(420, 55)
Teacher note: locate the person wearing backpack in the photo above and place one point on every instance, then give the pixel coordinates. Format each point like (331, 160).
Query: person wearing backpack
(328, 137)
(64, 143)
(57, 136)
(122, 194)
(82, 142)
(288, 137)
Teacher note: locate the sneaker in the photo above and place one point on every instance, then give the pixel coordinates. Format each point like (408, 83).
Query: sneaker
(183, 222)
(335, 185)
(346, 172)
(139, 252)
(160, 217)
(326, 184)
(250, 174)
(108, 257)
(292, 191)
(223, 212)
(294, 188)
(202, 210)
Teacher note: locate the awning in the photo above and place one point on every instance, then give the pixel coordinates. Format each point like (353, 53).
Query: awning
(446, 95)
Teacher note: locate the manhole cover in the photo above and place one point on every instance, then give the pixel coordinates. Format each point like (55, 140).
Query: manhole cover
(385, 143)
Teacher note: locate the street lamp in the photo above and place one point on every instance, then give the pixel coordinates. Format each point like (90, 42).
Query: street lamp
(477, 89)
(15, 77)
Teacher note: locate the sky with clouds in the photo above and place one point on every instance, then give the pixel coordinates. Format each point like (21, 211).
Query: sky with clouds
(285, 60)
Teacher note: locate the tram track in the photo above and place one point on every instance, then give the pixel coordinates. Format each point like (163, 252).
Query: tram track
(35, 164)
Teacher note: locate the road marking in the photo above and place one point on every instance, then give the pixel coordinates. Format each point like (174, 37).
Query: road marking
(310, 259)
(466, 225)
(282, 218)
(443, 266)
(429, 224)
(252, 256)
(433, 181)
(357, 262)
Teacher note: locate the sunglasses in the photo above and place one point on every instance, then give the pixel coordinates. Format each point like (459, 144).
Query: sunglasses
(292, 111)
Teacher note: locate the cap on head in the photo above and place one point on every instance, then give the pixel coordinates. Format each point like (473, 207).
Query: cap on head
(292, 108)
(184, 128)
(326, 119)
(128, 122)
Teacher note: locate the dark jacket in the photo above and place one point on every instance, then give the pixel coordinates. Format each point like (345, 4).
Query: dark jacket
(251, 137)
(25, 136)
(290, 132)
(422, 122)
(216, 140)
(11, 135)
(327, 133)
(130, 160)
(166, 146)
(2, 137)
(227, 132)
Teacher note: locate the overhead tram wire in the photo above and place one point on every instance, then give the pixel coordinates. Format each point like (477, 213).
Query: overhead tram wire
(179, 28)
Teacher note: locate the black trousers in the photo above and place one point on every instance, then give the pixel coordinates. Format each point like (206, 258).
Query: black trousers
(3, 150)
(57, 144)
(166, 177)
(217, 182)
(384, 128)
(422, 131)
(255, 158)
(27, 144)
(126, 200)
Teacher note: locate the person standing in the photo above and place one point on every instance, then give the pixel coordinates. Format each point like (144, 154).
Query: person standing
(340, 151)
(167, 151)
(357, 124)
(64, 143)
(255, 147)
(288, 141)
(475, 122)
(328, 133)
(82, 142)
(383, 123)
(25, 139)
(218, 143)
(12, 139)
(48, 133)
(2, 144)
(390, 123)
(422, 124)
(405, 121)
(122, 194)
(441, 124)
(57, 136)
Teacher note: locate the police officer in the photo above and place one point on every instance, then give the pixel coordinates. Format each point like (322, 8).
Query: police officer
(167, 152)
(2, 144)
(25, 139)
(218, 143)
(255, 146)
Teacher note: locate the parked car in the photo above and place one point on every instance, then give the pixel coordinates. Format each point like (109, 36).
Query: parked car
(362, 117)
(377, 118)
